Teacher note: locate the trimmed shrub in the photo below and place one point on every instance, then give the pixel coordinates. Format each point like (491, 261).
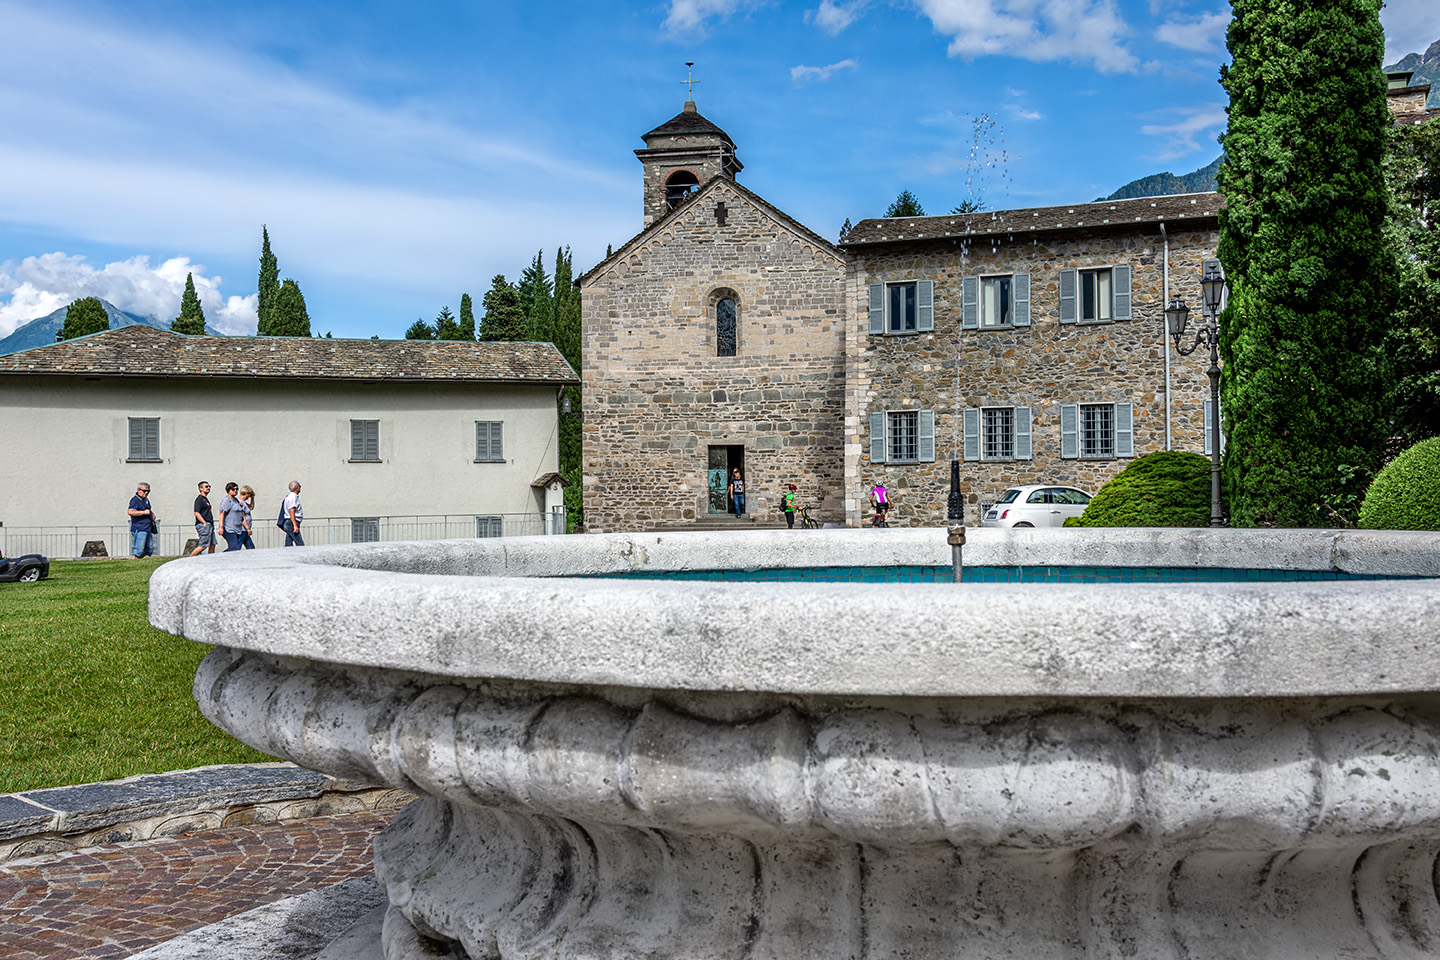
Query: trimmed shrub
(1406, 494)
(1170, 488)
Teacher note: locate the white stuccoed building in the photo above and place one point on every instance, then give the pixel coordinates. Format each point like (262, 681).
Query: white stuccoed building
(390, 439)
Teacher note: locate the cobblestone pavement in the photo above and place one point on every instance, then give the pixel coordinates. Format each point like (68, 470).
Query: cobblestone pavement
(115, 900)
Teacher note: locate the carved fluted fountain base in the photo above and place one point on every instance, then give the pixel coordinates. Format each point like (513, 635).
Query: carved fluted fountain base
(680, 770)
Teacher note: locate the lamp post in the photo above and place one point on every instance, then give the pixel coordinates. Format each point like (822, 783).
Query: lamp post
(1177, 315)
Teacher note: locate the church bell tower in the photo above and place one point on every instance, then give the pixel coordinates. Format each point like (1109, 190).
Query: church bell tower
(680, 155)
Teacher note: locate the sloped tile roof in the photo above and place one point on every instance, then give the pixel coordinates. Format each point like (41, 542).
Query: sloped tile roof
(686, 121)
(1034, 220)
(143, 351)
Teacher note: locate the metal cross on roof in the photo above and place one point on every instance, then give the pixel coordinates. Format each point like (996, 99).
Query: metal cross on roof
(689, 80)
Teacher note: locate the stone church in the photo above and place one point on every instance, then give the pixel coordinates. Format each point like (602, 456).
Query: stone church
(1027, 344)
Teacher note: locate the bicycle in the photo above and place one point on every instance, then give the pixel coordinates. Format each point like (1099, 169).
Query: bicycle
(806, 521)
(881, 519)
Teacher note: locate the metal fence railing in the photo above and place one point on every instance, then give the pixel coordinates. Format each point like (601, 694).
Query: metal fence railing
(59, 542)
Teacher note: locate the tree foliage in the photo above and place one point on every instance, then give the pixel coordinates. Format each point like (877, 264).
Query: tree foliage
(1169, 488)
(288, 318)
(191, 321)
(269, 284)
(467, 318)
(1406, 494)
(84, 317)
(1301, 238)
(1413, 341)
(446, 328)
(969, 205)
(503, 319)
(419, 330)
(905, 205)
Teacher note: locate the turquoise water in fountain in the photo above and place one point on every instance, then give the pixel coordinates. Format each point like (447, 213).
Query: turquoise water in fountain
(979, 574)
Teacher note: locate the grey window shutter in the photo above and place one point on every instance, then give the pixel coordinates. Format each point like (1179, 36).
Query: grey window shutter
(877, 308)
(970, 303)
(1067, 296)
(1021, 308)
(1124, 430)
(926, 436)
(1023, 446)
(925, 305)
(497, 439)
(150, 448)
(357, 440)
(877, 438)
(1070, 430)
(972, 433)
(1120, 277)
(137, 437)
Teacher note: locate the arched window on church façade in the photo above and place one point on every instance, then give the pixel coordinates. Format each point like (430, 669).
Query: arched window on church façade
(681, 184)
(725, 306)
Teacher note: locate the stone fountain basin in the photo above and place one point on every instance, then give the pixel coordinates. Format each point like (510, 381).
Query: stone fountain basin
(626, 768)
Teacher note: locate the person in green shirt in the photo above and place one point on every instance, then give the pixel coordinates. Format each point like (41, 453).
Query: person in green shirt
(787, 504)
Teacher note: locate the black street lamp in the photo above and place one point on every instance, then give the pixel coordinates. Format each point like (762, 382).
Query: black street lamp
(1177, 315)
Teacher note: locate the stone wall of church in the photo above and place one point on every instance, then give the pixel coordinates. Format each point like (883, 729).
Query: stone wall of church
(657, 396)
(1041, 366)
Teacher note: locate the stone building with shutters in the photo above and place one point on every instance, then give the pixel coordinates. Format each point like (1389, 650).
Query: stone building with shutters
(1027, 344)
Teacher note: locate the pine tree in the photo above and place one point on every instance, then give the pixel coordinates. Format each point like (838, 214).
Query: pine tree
(467, 318)
(445, 326)
(289, 319)
(84, 317)
(844, 229)
(191, 321)
(969, 205)
(536, 298)
(269, 284)
(420, 330)
(905, 205)
(1301, 238)
(503, 319)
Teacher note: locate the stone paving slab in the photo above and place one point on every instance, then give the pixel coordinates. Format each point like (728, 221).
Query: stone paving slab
(109, 902)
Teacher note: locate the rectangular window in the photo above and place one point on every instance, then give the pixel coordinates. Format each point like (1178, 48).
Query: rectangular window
(1097, 430)
(900, 308)
(365, 440)
(489, 527)
(995, 309)
(999, 433)
(489, 441)
(144, 438)
(1096, 296)
(364, 529)
(904, 434)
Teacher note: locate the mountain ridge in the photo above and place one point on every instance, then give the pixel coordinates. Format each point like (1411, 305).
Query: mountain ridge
(42, 330)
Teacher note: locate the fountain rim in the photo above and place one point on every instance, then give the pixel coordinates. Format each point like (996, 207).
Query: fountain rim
(504, 609)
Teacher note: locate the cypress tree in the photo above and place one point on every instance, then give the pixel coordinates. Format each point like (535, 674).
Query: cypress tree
(1301, 238)
(269, 284)
(191, 321)
(567, 310)
(535, 298)
(503, 319)
(1413, 341)
(289, 319)
(467, 318)
(420, 330)
(84, 317)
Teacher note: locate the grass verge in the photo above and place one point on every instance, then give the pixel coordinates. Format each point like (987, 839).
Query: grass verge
(91, 691)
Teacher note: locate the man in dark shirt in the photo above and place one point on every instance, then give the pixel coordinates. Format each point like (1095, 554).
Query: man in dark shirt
(204, 522)
(143, 525)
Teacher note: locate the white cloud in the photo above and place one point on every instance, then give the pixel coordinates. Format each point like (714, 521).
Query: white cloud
(1181, 134)
(821, 74)
(834, 17)
(1025, 113)
(1203, 33)
(38, 286)
(687, 16)
(1085, 31)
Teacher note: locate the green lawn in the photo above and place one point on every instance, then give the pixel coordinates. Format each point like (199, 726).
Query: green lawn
(90, 690)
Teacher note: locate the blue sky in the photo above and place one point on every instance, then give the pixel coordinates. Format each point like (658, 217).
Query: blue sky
(404, 153)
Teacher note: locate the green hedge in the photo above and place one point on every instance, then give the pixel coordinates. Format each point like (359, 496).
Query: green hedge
(1406, 494)
(1170, 488)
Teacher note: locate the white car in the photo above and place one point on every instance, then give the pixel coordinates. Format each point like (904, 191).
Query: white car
(1043, 505)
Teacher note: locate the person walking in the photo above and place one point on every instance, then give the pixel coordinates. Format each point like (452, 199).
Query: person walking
(143, 523)
(232, 517)
(204, 521)
(737, 492)
(247, 508)
(292, 516)
(787, 506)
